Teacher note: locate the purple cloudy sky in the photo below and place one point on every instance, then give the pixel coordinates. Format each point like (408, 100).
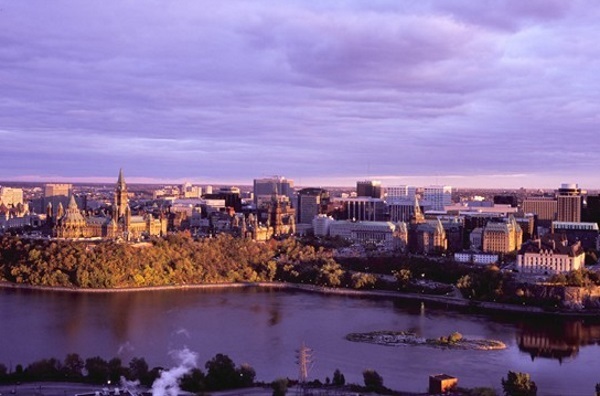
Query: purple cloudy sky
(461, 92)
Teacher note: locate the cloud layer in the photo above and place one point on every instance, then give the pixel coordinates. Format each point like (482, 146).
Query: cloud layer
(470, 93)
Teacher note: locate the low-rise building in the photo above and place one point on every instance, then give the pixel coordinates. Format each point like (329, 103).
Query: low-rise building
(551, 254)
(341, 228)
(442, 383)
(364, 209)
(375, 232)
(382, 233)
(476, 258)
(462, 257)
(485, 259)
(586, 233)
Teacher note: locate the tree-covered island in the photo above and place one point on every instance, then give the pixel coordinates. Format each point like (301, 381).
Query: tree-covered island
(454, 340)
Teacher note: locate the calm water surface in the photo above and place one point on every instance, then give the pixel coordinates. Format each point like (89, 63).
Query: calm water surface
(265, 327)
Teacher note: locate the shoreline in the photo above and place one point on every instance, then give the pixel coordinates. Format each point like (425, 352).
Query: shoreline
(481, 306)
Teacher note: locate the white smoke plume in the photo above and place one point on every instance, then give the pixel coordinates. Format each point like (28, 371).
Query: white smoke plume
(125, 347)
(167, 383)
(131, 386)
(183, 332)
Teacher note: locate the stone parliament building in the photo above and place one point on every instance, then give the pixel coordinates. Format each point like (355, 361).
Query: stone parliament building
(120, 224)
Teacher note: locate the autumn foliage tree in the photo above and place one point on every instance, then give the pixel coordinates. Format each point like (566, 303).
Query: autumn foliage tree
(518, 384)
(177, 259)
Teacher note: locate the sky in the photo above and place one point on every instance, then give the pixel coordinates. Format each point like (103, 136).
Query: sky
(484, 93)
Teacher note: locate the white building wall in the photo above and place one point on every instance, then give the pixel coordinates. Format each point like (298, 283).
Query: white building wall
(548, 263)
(321, 225)
(400, 193)
(462, 257)
(341, 228)
(365, 232)
(374, 232)
(485, 258)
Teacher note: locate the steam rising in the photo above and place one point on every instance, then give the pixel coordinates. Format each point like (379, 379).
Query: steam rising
(183, 332)
(167, 383)
(125, 347)
(131, 386)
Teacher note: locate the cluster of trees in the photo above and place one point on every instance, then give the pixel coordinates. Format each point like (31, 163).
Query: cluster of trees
(515, 384)
(179, 259)
(221, 372)
(373, 381)
(452, 338)
(73, 368)
(280, 385)
(488, 283)
(174, 260)
(518, 384)
(436, 269)
(578, 278)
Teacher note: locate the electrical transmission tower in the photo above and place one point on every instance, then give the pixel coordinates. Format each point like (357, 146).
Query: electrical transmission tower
(304, 361)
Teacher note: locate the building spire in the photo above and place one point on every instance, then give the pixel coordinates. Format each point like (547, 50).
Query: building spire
(439, 228)
(121, 180)
(121, 199)
(417, 207)
(72, 203)
(417, 216)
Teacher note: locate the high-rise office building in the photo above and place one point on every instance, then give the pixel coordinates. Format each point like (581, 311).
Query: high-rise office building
(266, 187)
(369, 188)
(190, 191)
(438, 196)
(544, 207)
(569, 203)
(231, 196)
(506, 200)
(401, 193)
(592, 209)
(311, 203)
(403, 210)
(364, 209)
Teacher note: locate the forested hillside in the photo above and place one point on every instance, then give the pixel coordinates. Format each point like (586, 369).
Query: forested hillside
(175, 260)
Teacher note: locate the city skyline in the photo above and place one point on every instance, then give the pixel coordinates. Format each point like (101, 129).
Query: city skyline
(497, 95)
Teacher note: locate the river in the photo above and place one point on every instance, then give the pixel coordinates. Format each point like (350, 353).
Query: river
(264, 327)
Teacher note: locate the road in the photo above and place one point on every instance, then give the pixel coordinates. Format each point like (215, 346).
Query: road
(47, 389)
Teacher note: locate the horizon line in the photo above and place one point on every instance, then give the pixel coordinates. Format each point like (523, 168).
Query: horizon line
(179, 181)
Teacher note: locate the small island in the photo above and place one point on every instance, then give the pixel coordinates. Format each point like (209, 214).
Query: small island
(453, 341)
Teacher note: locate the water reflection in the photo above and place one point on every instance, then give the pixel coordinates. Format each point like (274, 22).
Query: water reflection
(274, 316)
(556, 339)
